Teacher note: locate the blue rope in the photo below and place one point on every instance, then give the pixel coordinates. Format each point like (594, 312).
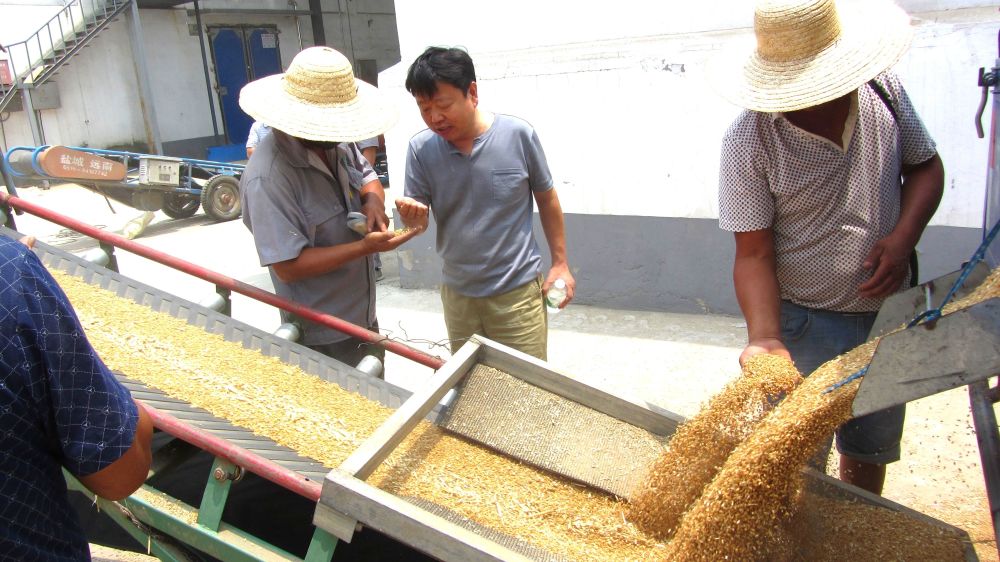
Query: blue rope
(935, 313)
(853, 377)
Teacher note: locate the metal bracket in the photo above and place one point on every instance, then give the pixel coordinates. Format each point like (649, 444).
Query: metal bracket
(986, 81)
(336, 523)
(958, 349)
(904, 306)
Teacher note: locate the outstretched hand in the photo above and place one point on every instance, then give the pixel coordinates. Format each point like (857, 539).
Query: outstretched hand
(389, 240)
(413, 213)
(773, 346)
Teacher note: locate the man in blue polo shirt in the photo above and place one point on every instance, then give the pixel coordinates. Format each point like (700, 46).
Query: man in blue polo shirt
(60, 407)
(480, 173)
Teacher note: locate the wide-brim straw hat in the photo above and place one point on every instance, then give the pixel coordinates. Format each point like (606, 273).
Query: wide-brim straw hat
(318, 98)
(811, 51)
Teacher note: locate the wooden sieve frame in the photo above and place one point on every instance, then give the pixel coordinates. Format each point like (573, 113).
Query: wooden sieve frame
(348, 501)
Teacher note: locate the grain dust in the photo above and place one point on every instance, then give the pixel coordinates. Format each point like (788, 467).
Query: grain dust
(701, 445)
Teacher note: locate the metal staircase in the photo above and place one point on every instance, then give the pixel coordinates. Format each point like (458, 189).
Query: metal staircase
(36, 60)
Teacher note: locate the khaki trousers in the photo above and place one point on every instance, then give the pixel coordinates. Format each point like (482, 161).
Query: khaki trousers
(516, 318)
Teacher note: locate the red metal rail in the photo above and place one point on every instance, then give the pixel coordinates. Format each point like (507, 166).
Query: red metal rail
(260, 466)
(224, 281)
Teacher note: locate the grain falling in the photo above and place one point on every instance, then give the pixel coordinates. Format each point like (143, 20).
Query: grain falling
(752, 495)
(701, 445)
(745, 512)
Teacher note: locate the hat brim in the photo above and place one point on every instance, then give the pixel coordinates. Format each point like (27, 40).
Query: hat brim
(368, 115)
(873, 38)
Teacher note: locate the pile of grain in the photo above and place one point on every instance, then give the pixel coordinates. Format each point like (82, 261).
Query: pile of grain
(827, 529)
(754, 492)
(701, 445)
(746, 511)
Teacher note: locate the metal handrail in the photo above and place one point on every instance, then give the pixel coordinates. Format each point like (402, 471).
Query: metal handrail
(29, 58)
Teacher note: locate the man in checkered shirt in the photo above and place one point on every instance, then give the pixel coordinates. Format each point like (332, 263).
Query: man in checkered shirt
(827, 181)
(60, 408)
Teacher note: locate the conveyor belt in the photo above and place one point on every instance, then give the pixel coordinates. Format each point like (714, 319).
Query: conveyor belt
(310, 469)
(311, 362)
(242, 437)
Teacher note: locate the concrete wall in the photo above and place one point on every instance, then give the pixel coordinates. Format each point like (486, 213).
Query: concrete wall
(632, 129)
(99, 93)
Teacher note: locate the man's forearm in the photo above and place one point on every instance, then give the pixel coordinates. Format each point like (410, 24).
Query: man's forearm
(551, 215)
(317, 261)
(373, 189)
(921, 193)
(759, 297)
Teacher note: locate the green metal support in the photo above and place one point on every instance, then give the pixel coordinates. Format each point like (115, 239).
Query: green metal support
(213, 501)
(160, 523)
(321, 546)
(155, 546)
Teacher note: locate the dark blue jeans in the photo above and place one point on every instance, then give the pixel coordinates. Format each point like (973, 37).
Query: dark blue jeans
(813, 337)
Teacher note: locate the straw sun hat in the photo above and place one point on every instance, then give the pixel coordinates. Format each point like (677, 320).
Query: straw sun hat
(318, 98)
(809, 52)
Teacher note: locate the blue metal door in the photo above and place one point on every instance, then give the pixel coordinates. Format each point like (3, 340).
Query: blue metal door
(231, 76)
(264, 57)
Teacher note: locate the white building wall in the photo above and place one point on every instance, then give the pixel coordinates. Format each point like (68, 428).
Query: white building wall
(21, 19)
(99, 92)
(619, 96)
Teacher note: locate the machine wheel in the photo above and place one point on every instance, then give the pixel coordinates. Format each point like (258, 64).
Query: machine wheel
(180, 206)
(220, 197)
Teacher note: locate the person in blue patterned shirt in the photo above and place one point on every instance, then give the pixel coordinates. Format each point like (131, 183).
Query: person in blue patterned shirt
(60, 407)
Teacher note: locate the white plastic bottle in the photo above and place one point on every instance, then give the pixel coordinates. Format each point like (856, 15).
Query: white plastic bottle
(555, 296)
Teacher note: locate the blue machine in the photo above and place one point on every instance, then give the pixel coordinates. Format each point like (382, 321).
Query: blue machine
(178, 186)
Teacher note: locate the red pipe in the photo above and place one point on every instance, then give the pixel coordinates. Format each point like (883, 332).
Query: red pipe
(227, 282)
(257, 464)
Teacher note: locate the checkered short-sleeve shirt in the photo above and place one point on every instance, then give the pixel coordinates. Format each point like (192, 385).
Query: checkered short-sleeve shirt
(826, 205)
(59, 407)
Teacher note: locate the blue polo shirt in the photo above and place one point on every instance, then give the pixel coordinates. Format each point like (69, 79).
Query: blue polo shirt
(59, 407)
(482, 204)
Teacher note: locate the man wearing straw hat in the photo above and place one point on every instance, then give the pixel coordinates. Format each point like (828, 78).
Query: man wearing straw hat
(302, 182)
(480, 173)
(827, 180)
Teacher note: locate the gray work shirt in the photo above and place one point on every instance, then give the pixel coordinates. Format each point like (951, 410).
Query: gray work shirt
(482, 204)
(292, 202)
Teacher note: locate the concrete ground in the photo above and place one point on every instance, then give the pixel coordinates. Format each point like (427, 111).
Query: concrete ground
(676, 361)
